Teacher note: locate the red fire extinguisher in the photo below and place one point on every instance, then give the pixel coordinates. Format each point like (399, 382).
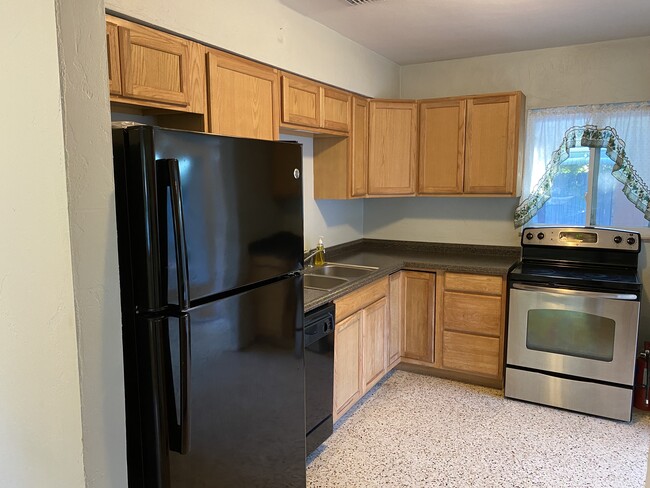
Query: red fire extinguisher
(641, 383)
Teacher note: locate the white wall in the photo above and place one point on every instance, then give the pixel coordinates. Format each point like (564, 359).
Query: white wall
(337, 221)
(40, 414)
(91, 208)
(267, 31)
(615, 71)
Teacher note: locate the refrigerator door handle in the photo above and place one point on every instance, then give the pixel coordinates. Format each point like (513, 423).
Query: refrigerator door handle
(179, 433)
(179, 232)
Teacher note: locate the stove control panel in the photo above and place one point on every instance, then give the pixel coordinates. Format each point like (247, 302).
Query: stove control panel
(587, 237)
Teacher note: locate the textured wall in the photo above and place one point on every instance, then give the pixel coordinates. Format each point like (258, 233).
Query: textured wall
(40, 416)
(603, 72)
(91, 208)
(270, 32)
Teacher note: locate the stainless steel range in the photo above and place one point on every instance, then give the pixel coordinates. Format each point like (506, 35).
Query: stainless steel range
(573, 320)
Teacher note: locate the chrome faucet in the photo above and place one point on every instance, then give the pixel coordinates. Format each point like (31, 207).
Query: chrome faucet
(309, 255)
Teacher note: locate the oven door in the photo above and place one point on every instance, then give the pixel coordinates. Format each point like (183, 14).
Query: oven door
(578, 333)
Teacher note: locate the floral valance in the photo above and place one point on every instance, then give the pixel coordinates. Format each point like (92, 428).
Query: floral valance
(634, 187)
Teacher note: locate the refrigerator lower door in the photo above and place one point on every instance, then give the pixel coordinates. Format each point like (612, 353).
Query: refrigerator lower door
(246, 413)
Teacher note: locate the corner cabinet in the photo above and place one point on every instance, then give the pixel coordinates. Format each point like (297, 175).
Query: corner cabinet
(243, 97)
(360, 350)
(417, 316)
(154, 69)
(471, 145)
(392, 153)
(341, 163)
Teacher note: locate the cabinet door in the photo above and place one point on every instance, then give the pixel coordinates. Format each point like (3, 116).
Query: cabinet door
(347, 364)
(113, 51)
(418, 316)
(392, 148)
(359, 148)
(155, 65)
(396, 295)
(491, 146)
(375, 319)
(300, 101)
(243, 97)
(442, 147)
(336, 110)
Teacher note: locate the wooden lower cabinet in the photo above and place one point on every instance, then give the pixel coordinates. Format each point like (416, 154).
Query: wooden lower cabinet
(347, 363)
(472, 324)
(374, 322)
(417, 315)
(452, 324)
(360, 358)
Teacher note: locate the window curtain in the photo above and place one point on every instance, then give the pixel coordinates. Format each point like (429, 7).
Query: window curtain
(623, 129)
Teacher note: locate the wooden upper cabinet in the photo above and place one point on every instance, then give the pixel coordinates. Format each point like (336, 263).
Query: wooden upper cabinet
(336, 109)
(341, 163)
(492, 144)
(301, 102)
(471, 145)
(154, 69)
(243, 97)
(392, 156)
(154, 65)
(442, 147)
(359, 148)
(307, 104)
(113, 53)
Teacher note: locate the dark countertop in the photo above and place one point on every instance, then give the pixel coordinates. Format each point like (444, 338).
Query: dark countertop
(392, 256)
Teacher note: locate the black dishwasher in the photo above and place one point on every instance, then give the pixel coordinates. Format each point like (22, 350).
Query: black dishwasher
(319, 374)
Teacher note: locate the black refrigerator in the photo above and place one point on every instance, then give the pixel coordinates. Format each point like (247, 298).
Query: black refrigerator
(210, 246)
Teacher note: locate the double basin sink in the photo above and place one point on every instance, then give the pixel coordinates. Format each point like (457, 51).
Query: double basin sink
(332, 275)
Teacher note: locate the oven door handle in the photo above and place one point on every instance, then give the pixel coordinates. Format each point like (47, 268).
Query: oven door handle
(576, 293)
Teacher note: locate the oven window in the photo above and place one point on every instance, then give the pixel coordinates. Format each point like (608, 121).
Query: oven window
(571, 333)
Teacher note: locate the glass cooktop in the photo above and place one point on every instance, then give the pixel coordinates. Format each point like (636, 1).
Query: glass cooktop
(577, 276)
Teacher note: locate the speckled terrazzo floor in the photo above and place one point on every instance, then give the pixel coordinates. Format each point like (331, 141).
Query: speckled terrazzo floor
(422, 431)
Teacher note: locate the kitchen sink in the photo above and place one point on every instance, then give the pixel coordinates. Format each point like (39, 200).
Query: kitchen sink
(323, 282)
(336, 270)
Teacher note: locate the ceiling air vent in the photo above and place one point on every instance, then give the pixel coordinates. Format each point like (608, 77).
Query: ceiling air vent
(361, 2)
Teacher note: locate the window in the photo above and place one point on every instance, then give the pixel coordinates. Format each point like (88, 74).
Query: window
(583, 190)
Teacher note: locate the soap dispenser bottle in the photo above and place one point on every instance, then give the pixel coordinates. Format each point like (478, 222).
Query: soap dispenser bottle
(319, 258)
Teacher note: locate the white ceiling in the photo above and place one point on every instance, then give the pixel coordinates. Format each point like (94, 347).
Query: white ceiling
(418, 31)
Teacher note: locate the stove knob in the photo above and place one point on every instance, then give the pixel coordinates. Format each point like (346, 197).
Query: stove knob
(631, 240)
(618, 239)
(540, 235)
(529, 236)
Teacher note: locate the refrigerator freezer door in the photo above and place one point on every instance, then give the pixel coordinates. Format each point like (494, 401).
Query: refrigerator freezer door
(241, 203)
(246, 406)
(242, 210)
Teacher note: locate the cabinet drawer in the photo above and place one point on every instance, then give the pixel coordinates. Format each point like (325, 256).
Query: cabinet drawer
(478, 314)
(471, 353)
(359, 299)
(490, 285)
